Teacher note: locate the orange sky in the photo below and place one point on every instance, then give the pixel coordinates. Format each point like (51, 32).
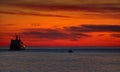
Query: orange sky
(61, 23)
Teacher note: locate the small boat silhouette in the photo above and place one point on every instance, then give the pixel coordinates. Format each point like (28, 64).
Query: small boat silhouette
(17, 44)
(70, 51)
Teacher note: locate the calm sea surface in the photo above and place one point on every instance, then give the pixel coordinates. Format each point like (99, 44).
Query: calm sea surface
(66, 49)
(47, 59)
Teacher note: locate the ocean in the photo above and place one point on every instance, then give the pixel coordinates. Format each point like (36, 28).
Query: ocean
(49, 59)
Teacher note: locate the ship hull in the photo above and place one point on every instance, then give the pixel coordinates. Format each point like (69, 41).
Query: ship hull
(16, 48)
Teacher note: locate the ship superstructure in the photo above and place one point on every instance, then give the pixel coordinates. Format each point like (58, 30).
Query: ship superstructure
(17, 44)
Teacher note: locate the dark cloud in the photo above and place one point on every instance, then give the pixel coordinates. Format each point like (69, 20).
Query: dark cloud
(71, 33)
(100, 35)
(103, 15)
(115, 35)
(7, 24)
(79, 5)
(94, 28)
(32, 13)
(106, 11)
(53, 34)
(100, 10)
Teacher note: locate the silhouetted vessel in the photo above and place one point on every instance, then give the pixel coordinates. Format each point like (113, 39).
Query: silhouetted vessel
(70, 51)
(17, 44)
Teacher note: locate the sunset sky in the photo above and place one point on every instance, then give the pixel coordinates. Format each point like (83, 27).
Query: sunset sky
(60, 22)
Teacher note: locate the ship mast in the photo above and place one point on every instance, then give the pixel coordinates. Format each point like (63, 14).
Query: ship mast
(17, 38)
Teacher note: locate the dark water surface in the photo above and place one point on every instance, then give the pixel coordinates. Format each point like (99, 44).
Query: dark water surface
(46, 59)
(67, 49)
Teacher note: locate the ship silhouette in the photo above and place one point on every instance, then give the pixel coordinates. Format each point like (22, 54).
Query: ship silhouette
(17, 44)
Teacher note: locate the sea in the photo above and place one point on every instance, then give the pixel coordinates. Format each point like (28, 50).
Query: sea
(60, 59)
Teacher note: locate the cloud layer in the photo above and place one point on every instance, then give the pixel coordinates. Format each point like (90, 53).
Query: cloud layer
(53, 34)
(89, 5)
(101, 8)
(32, 13)
(94, 28)
(71, 33)
(106, 8)
(116, 35)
